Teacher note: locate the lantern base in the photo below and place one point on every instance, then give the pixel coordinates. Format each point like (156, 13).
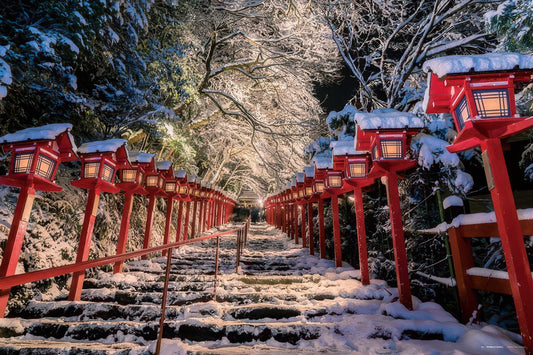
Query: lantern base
(480, 129)
(38, 182)
(99, 184)
(131, 187)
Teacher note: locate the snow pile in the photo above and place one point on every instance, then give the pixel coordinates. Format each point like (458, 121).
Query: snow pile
(387, 119)
(180, 174)
(432, 150)
(309, 171)
(300, 178)
(140, 157)
(318, 146)
(109, 145)
(5, 73)
(452, 200)
(345, 147)
(457, 64)
(322, 162)
(339, 123)
(46, 132)
(463, 181)
(488, 340)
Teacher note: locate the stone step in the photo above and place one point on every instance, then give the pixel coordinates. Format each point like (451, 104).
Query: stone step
(51, 347)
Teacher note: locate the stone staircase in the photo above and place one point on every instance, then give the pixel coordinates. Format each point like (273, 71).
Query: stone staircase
(281, 300)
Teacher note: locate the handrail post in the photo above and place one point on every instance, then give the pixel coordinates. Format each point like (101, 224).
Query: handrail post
(237, 261)
(216, 270)
(164, 303)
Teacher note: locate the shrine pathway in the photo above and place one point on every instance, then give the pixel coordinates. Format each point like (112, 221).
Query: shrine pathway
(282, 300)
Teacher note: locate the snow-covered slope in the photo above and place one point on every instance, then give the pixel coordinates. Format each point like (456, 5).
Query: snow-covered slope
(281, 300)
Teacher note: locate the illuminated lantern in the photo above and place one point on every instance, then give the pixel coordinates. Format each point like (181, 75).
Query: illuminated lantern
(168, 184)
(479, 91)
(35, 155)
(387, 134)
(183, 194)
(333, 180)
(99, 162)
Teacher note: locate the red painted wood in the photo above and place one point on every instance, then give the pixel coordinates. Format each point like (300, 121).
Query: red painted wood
(85, 243)
(512, 241)
(295, 223)
(179, 221)
(304, 238)
(168, 223)
(187, 217)
(336, 230)
(194, 218)
(321, 230)
(201, 216)
(398, 241)
(149, 223)
(310, 228)
(361, 235)
(15, 240)
(124, 227)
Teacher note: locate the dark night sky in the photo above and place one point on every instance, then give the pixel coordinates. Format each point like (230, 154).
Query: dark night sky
(335, 96)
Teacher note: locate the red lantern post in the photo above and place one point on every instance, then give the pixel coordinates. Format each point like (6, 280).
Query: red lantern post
(387, 135)
(318, 191)
(183, 189)
(479, 92)
(35, 155)
(169, 187)
(154, 184)
(99, 163)
(309, 172)
(131, 182)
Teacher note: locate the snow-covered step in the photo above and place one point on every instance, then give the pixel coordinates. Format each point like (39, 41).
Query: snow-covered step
(50, 347)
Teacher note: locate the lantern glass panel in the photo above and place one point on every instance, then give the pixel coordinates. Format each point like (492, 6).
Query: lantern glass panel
(151, 180)
(462, 113)
(170, 186)
(196, 193)
(45, 166)
(22, 163)
(391, 148)
(319, 187)
(492, 103)
(308, 190)
(334, 181)
(108, 172)
(357, 170)
(294, 195)
(300, 193)
(128, 175)
(90, 170)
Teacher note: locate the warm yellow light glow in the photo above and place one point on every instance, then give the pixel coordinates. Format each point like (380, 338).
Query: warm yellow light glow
(294, 195)
(319, 187)
(22, 163)
(334, 181)
(492, 103)
(391, 149)
(151, 181)
(108, 172)
(45, 166)
(170, 186)
(128, 175)
(90, 170)
(308, 190)
(357, 170)
(183, 190)
(300, 193)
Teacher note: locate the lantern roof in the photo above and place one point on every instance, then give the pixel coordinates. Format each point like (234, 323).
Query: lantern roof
(293, 182)
(140, 157)
(181, 174)
(60, 132)
(309, 171)
(480, 63)
(387, 119)
(106, 146)
(163, 165)
(288, 185)
(300, 178)
(345, 147)
(191, 178)
(322, 162)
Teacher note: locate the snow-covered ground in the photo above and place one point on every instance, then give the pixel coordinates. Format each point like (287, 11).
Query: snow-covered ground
(282, 300)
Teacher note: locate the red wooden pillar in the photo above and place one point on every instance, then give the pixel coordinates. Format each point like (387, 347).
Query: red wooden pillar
(207, 215)
(336, 230)
(304, 239)
(124, 227)
(179, 220)
(194, 216)
(168, 223)
(201, 216)
(187, 217)
(295, 222)
(398, 241)
(219, 213)
(149, 224)
(85, 243)
(321, 230)
(310, 228)
(361, 235)
(15, 239)
(512, 240)
(284, 219)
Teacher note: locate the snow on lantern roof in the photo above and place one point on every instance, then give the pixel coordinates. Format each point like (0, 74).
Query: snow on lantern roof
(300, 178)
(293, 182)
(181, 174)
(452, 200)
(46, 132)
(462, 64)
(140, 157)
(322, 162)
(163, 165)
(288, 185)
(109, 145)
(387, 119)
(191, 178)
(309, 171)
(346, 147)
